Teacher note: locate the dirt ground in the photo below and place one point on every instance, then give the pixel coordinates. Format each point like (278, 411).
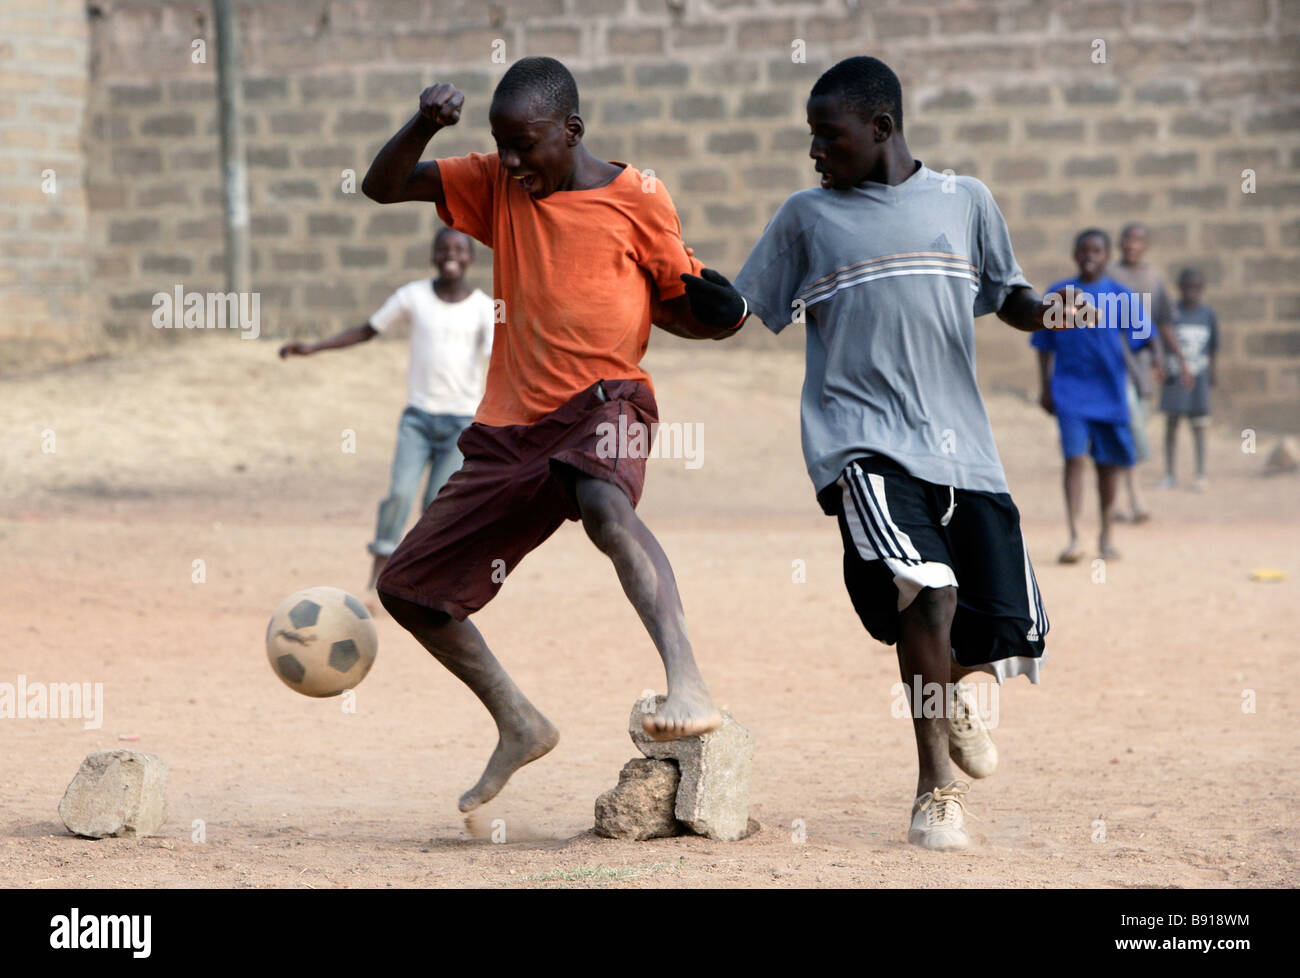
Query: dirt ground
(213, 450)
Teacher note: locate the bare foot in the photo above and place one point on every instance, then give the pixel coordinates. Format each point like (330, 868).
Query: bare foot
(1070, 555)
(1141, 517)
(688, 712)
(532, 736)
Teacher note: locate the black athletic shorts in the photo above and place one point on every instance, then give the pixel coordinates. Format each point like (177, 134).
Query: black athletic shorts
(902, 534)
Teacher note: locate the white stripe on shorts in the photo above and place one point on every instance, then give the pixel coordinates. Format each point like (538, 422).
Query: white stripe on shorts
(876, 497)
(1031, 597)
(874, 540)
(852, 515)
(881, 542)
(872, 544)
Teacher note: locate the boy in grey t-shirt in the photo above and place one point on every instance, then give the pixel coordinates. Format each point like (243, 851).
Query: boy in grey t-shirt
(1196, 329)
(887, 265)
(1145, 366)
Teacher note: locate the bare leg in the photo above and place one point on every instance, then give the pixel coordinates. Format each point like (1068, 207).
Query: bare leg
(1171, 445)
(1073, 481)
(524, 734)
(1121, 516)
(648, 582)
(1137, 512)
(925, 657)
(1107, 489)
(1198, 440)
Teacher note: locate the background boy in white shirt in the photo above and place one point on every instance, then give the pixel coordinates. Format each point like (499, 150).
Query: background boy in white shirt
(451, 342)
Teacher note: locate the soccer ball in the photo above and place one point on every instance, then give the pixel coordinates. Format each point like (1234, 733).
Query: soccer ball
(321, 641)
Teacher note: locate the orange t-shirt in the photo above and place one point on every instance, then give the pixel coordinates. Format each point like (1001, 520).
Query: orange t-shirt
(577, 271)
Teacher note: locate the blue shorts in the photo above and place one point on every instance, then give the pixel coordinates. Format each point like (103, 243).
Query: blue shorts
(1111, 442)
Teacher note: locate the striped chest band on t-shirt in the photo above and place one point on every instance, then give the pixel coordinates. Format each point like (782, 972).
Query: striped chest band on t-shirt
(890, 266)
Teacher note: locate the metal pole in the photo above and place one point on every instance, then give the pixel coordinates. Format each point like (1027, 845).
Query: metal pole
(230, 94)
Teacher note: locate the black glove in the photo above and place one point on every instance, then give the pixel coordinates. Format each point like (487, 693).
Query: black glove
(714, 301)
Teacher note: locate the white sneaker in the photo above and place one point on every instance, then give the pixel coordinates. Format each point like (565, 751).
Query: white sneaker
(969, 744)
(1168, 482)
(939, 817)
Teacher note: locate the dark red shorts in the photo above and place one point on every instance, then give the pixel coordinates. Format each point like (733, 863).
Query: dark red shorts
(515, 489)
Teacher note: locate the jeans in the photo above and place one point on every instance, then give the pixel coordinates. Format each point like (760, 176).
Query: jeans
(422, 439)
(1139, 409)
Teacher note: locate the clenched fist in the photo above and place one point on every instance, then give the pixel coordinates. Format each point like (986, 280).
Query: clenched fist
(714, 301)
(441, 104)
(1069, 308)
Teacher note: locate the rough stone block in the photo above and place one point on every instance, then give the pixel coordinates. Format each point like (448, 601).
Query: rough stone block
(713, 795)
(116, 793)
(1285, 457)
(640, 806)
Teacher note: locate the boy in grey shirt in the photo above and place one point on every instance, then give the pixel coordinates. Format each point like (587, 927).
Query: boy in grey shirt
(887, 265)
(1196, 329)
(1146, 366)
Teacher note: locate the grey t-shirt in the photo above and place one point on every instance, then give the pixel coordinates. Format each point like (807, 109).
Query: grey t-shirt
(1197, 332)
(1146, 281)
(888, 281)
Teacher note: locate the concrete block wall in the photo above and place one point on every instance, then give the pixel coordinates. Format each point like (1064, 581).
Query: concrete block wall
(46, 313)
(709, 94)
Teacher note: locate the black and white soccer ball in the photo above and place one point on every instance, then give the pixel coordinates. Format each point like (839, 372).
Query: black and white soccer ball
(321, 641)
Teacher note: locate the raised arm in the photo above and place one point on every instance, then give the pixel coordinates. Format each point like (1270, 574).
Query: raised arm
(397, 174)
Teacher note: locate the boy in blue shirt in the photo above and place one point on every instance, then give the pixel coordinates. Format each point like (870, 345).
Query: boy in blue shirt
(1083, 378)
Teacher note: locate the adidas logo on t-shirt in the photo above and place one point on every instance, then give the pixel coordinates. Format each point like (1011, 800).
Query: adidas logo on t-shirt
(941, 244)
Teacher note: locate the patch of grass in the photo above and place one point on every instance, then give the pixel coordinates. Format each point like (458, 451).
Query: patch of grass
(596, 874)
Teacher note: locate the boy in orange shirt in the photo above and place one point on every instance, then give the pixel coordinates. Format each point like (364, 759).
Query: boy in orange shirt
(582, 249)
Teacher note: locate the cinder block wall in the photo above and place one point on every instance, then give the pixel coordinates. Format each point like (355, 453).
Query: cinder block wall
(45, 309)
(709, 94)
